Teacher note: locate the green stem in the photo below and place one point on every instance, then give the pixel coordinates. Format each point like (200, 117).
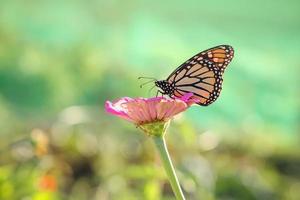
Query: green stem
(164, 155)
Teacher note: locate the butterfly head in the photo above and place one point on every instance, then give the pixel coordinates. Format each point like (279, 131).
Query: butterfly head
(165, 86)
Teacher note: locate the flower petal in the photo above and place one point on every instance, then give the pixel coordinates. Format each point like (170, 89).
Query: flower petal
(116, 110)
(186, 97)
(177, 107)
(148, 110)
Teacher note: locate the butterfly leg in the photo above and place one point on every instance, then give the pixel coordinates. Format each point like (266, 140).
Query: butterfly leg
(157, 93)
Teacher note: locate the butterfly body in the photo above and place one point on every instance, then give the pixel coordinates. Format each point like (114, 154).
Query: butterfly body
(200, 75)
(166, 87)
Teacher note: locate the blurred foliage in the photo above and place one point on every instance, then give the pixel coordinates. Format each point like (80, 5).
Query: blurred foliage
(60, 61)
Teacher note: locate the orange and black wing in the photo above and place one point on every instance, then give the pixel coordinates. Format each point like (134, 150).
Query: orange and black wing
(202, 74)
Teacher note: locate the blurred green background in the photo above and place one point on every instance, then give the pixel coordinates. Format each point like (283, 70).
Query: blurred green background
(60, 61)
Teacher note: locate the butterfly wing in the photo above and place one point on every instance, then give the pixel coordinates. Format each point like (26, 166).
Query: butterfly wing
(202, 74)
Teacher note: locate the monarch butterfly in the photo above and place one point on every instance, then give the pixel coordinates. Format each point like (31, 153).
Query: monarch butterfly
(200, 75)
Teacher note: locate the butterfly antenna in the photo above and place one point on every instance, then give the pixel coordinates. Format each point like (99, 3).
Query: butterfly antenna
(144, 77)
(146, 83)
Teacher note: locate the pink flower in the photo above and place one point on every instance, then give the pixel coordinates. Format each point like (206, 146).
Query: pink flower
(148, 110)
(152, 116)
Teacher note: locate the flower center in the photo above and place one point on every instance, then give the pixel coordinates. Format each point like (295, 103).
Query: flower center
(155, 128)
